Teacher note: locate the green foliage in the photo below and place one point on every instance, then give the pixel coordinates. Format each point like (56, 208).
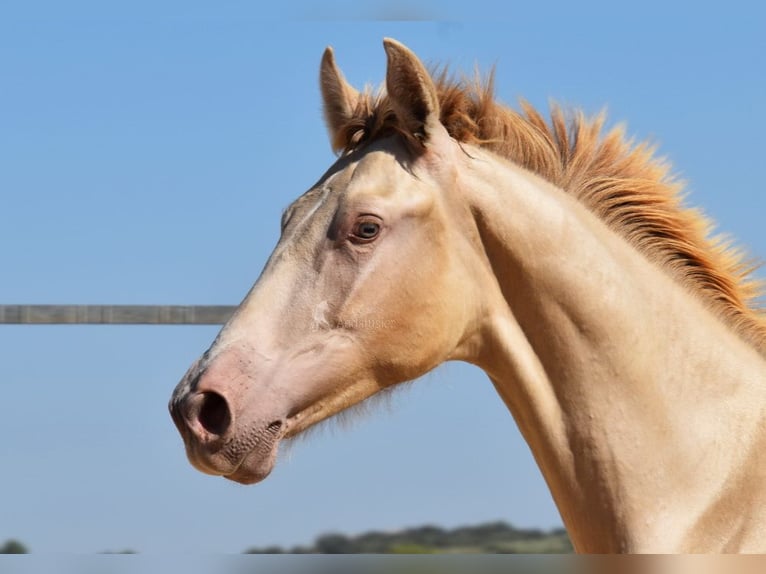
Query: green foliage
(490, 538)
(13, 547)
(410, 549)
(333, 544)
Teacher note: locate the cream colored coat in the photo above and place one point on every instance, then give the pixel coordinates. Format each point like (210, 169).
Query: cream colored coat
(559, 261)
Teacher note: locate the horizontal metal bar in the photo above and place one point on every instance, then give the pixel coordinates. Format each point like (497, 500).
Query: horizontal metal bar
(115, 314)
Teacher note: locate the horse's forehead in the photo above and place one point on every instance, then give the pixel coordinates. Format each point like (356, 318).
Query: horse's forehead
(377, 173)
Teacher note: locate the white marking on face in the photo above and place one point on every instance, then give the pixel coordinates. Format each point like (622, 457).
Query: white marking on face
(319, 203)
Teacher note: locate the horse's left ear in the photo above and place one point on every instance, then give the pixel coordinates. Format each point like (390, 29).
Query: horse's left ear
(411, 91)
(339, 99)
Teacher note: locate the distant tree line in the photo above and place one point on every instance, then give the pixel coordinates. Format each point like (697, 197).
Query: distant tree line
(16, 547)
(494, 538)
(13, 547)
(490, 538)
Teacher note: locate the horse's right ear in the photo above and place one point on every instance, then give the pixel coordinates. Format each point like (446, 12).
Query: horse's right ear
(339, 99)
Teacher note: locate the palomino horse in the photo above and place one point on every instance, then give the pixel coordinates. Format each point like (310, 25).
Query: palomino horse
(558, 259)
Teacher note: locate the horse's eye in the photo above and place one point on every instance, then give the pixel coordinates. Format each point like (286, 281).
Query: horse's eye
(365, 230)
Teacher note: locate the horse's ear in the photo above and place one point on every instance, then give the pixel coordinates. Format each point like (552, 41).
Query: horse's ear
(339, 99)
(411, 91)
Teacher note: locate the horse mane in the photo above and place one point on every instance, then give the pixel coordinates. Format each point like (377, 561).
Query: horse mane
(622, 182)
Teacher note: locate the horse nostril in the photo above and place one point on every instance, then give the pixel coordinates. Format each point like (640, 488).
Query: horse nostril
(214, 415)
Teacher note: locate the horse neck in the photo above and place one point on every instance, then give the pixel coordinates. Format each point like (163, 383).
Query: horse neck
(642, 409)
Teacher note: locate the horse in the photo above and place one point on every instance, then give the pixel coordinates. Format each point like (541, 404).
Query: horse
(559, 257)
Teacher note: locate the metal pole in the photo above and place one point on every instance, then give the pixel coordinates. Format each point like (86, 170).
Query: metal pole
(115, 314)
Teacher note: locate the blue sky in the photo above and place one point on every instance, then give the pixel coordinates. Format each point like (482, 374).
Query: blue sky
(146, 154)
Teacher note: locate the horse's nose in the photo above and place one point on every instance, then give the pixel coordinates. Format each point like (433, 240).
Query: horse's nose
(200, 408)
(207, 414)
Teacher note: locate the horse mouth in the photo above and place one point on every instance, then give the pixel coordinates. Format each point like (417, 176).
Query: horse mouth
(253, 454)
